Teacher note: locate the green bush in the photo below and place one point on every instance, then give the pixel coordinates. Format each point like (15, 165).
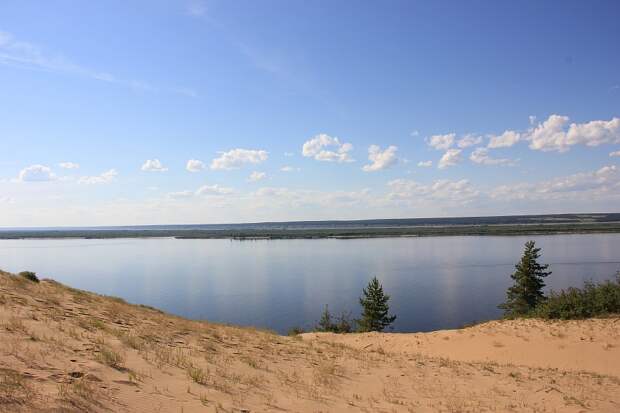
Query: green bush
(341, 324)
(29, 275)
(295, 331)
(575, 303)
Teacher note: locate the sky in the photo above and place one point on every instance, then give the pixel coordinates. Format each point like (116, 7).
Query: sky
(224, 111)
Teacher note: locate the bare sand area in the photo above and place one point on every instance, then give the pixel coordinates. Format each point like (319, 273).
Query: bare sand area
(66, 350)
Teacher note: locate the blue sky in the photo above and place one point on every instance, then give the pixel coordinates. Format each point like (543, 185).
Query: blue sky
(306, 110)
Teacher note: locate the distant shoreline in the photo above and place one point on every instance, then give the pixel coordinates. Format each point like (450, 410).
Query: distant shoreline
(343, 233)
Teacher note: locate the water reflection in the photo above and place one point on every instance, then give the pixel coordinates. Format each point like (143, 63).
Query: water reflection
(440, 282)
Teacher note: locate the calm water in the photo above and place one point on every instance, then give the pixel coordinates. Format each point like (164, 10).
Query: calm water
(435, 283)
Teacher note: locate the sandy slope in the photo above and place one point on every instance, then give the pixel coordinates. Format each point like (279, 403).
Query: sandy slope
(68, 350)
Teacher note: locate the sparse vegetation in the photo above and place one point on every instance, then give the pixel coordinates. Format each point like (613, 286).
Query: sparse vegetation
(576, 303)
(29, 275)
(341, 324)
(14, 389)
(110, 357)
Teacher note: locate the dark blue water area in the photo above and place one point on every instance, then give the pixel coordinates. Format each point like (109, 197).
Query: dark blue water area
(434, 282)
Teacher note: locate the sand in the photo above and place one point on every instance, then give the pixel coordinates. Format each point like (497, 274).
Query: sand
(65, 350)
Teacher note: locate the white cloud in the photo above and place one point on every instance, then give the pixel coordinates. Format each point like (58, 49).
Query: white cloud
(450, 158)
(583, 186)
(180, 195)
(481, 156)
(442, 190)
(288, 169)
(194, 165)
(552, 134)
(616, 153)
(36, 173)
(549, 135)
(442, 142)
(257, 176)
(153, 165)
(594, 133)
(213, 190)
(415, 133)
(532, 119)
(380, 159)
(69, 165)
(317, 148)
(469, 140)
(425, 164)
(236, 158)
(505, 140)
(104, 178)
(22, 54)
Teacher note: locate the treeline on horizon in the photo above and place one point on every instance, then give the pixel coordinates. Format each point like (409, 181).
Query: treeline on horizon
(311, 233)
(524, 299)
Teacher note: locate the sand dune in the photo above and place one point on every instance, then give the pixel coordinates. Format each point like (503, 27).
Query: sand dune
(67, 350)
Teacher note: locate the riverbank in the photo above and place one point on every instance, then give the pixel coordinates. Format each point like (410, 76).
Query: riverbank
(62, 348)
(343, 233)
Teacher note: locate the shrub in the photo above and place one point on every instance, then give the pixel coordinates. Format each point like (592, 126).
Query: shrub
(341, 324)
(29, 275)
(575, 303)
(295, 331)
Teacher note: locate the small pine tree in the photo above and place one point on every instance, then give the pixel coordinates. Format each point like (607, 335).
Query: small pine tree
(325, 323)
(341, 324)
(375, 308)
(527, 291)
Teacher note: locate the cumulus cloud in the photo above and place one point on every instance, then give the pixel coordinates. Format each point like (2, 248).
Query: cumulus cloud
(469, 140)
(36, 173)
(69, 165)
(442, 142)
(555, 134)
(325, 148)
(213, 190)
(425, 164)
(505, 140)
(236, 158)
(194, 165)
(153, 165)
(103, 178)
(481, 156)
(450, 158)
(380, 159)
(616, 153)
(257, 176)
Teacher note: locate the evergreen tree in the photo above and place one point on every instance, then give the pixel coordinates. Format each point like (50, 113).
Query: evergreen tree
(340, 324)
(526, 292)
(375, 308)
(325, 323)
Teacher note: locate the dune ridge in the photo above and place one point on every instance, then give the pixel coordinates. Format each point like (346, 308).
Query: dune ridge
(66, 350)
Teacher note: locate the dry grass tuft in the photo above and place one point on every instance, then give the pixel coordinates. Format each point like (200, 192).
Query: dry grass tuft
(110, 357)
(14, 389)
